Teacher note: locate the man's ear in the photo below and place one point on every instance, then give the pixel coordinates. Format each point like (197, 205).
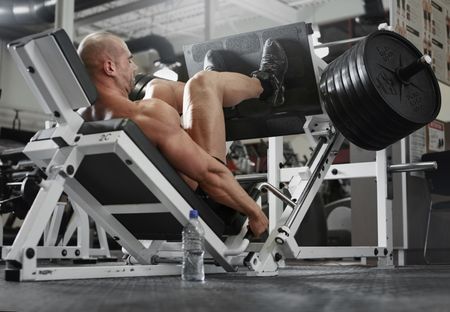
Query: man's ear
(109, 67)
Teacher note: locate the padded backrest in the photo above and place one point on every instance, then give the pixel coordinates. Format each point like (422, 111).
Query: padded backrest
(50, 65)
(75, 64)
(439, 179)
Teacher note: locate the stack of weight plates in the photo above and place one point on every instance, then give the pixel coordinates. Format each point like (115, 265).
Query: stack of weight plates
(368, 102)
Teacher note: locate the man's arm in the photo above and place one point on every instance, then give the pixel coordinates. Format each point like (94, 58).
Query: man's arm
(161, 124)
(213, 177)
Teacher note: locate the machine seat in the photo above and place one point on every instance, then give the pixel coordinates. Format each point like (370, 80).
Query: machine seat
(111, 182)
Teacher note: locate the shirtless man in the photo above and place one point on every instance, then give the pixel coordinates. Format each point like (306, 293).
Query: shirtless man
(196, 150)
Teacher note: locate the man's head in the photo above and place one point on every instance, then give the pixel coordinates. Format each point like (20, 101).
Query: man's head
(107, 57)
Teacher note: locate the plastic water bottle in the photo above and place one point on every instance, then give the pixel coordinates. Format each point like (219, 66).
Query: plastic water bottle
(193, 249)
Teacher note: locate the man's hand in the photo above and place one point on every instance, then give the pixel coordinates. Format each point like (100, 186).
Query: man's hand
(258, 223)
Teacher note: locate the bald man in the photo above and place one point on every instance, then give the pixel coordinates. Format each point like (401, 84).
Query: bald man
(196, 149)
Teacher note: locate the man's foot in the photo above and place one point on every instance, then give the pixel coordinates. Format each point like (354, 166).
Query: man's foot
(214, 61)
(271, 72)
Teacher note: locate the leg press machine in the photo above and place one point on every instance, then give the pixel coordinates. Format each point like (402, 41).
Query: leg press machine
(113, 174)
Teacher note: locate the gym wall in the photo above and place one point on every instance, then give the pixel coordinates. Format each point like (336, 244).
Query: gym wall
(444, 115)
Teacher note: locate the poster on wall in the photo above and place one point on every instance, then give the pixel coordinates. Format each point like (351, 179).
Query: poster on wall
(438, 36)
(417, 147)
(436, 136)
(409, 21)
(426, 24)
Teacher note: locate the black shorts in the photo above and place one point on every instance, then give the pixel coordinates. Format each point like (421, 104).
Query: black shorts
(219, 160)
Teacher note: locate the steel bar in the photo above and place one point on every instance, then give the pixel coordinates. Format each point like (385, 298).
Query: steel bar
(276, 192)
(420, 166)
(339, 42)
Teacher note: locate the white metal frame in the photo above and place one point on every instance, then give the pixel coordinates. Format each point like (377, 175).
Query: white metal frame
(378, 170)
(52, 249)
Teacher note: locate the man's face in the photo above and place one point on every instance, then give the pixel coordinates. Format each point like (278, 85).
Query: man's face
(126, 68)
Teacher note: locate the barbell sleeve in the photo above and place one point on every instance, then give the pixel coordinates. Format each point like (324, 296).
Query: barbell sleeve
(410, 70)
(420, 166)
(339, 42)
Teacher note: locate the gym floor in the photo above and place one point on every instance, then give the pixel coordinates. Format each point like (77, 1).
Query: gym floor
(307, 287)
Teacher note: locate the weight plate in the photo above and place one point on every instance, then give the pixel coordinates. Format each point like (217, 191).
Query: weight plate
(395, 124)
(332, 106)
(356, 121)
(372, 91)
(140, 83)
(417, 101)
(344, 118)
(366, 120)
(366, 99)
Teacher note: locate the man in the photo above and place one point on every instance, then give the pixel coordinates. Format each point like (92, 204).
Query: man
(197, 150)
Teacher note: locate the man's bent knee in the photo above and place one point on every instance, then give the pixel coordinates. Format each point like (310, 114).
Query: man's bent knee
(156, 81)
(204, 80)
(156, 88)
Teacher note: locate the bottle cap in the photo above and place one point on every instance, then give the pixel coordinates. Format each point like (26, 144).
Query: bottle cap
(193, 214)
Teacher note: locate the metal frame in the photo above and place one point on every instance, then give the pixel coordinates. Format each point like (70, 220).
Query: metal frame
(41, 210)
(2, 248)
(303, 184)
(52, 249)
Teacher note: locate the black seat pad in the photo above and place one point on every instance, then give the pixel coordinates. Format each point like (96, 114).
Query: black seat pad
(111, 182)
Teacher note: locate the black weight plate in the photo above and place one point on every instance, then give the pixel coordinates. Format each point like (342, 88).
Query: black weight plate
(327, 92)
(356, 121)
(397, 126)
(366, 120)
(397, 122)
(332, 105)
(377, 112)
(340, 121)
(385, 52)
(403, 123)
(327, 95)
(140, 83)
(355, 133)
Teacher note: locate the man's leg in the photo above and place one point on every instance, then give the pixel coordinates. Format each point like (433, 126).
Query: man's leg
(160, 123)
(207, 92)
(205, 95)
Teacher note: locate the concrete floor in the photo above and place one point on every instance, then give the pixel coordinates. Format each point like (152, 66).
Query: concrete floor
(301, 288)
